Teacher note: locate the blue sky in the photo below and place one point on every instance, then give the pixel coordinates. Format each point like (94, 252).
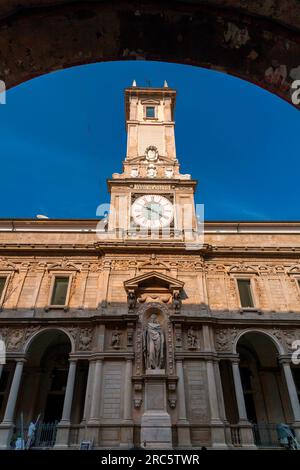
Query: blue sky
(63, 134)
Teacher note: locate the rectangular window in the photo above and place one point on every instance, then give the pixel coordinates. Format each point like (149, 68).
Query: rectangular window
(60, 291)
(150, 112)
(2, 285)
(246, 298)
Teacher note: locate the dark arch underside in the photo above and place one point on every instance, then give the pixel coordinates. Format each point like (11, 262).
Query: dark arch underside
(257, 43)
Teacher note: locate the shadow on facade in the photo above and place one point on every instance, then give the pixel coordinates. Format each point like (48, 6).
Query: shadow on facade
(80, 374)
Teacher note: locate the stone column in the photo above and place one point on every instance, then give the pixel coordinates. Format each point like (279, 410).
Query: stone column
(95, 403)
(13, 394)
(6, 427)
(239, 391)
(127, 429)
(89, 385)
(93, 422)
(183, 426)
(246, 432)
(83, 433)
(293, 396)
(217, 425)
(63, 430)
(66, 414)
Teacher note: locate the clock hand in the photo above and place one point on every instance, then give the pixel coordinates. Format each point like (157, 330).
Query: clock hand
(154, 211)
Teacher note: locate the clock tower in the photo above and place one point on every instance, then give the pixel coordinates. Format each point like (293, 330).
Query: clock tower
(151, 196)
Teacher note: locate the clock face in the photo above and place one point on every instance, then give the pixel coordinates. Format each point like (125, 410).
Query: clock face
(152, 211)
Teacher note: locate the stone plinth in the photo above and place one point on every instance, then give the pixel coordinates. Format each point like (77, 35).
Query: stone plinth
(156, 422)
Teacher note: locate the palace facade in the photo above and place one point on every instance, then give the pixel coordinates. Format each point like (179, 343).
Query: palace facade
(78, 298)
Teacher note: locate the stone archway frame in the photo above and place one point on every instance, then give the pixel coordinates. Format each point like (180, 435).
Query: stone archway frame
(37, 333)
(250, 40)
(275, 341)
(226, 339)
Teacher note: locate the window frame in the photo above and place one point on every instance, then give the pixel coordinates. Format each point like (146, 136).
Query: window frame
(7, 275)
(149, 105)
(246, 277)
(296, 277)
(55, 275)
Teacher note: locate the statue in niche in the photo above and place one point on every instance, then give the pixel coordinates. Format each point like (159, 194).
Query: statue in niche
(177, 302)
(192, 338)
(116, 339)
(131, 301)
(153, 344)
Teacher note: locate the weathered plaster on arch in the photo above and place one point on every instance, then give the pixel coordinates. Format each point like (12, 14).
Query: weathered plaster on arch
(256, 41)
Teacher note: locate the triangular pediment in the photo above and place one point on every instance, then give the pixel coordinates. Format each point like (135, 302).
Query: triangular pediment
(150, 101)
(153, 279)
(294, 269)
(242, 269)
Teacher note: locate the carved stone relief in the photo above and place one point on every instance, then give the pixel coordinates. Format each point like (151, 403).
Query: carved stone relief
(192, 339)
(15, 338)
(85, 338)
(286, 337)
(224, 339)
(115, 341)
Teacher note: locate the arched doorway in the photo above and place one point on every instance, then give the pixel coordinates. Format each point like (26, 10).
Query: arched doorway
(264, 389)
(260, 387)
(43, 388)
(45, 377)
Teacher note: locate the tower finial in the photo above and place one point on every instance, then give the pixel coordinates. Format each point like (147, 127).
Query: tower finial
(166, 84)
(134, 83)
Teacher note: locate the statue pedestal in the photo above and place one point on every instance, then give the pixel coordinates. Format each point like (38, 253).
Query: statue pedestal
(156, 422)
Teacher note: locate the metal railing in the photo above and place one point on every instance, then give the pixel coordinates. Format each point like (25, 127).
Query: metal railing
(45, 435)
(265, 435)
(235, 435)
